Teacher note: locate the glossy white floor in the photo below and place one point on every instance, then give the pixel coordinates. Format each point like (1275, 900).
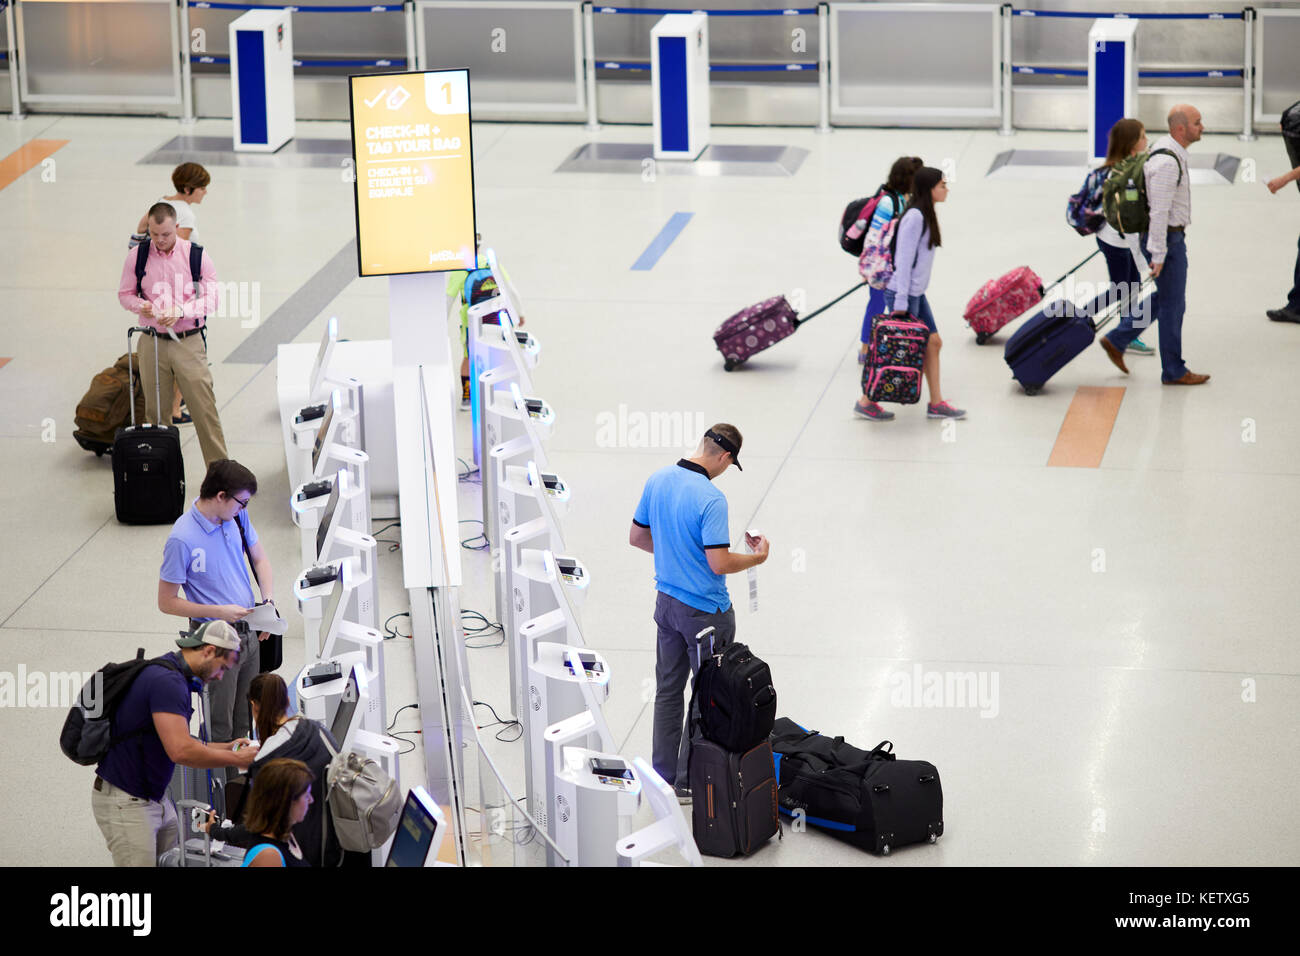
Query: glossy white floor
(1133, 625)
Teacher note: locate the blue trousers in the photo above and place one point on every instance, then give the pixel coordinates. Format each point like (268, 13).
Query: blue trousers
(1292, 300)
(1167, 305)
(1124, 275)
(876, 305)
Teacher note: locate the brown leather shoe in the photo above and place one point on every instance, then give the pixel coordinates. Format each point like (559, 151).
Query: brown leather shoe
(1190, 378)
(1114, 354)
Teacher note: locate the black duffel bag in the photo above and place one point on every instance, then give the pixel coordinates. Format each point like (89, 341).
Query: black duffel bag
(867, 798)
(737, 702)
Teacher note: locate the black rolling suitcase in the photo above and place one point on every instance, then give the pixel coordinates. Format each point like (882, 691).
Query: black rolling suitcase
(1051, 339)
(733, 798)
(148, 470)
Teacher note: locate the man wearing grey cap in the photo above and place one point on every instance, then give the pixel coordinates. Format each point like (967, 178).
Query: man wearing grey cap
(151, 734)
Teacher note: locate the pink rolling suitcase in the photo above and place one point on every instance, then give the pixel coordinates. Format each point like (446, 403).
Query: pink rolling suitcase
(999, 301)
(893, 369)
(761, 326)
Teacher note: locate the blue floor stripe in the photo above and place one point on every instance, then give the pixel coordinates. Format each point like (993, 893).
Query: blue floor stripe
(662, 241)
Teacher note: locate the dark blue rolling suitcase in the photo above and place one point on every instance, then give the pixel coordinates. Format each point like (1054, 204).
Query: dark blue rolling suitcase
(1050, 340)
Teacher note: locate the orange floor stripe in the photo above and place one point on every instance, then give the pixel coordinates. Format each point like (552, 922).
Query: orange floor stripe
(1086, 430)
(26, 156)
(3, 362)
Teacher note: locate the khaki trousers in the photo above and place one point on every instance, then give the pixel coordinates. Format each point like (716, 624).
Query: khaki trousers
(137, 831)
(186, 364)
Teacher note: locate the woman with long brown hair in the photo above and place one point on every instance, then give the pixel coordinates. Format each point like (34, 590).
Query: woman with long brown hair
(1128, 137)
(280, 800)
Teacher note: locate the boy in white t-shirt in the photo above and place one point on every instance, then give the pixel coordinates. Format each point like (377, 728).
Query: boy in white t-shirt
(190, 181)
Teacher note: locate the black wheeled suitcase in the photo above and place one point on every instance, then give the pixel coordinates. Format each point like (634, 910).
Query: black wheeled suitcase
(148, 470)
(1051, 339)
(733, 798)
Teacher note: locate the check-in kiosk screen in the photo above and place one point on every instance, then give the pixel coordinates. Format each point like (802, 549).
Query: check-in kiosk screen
(347, 708)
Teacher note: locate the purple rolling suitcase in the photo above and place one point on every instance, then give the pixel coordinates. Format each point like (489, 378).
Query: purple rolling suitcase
(761, 326)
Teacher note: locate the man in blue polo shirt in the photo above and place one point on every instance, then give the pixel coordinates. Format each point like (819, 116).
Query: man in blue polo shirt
(205, 554)
(682, 520)
(152, 728)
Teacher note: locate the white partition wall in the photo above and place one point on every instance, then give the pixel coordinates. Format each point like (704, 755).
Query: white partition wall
(1277, 62)
(112, 53)
(525, 58)
(916, 63)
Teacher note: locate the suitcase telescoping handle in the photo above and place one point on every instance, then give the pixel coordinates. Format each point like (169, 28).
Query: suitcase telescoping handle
(699, 638)
(1055, 282)
(1122, 302)
(130, 372)
(798, 321)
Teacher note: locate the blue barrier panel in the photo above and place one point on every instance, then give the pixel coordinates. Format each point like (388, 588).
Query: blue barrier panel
(398, 61)
(1145, 74)
(812, 11)
(1081, 15)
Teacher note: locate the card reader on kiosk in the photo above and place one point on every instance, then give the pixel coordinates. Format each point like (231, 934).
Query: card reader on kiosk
(321, 437)
(593, 793)
(329, 534)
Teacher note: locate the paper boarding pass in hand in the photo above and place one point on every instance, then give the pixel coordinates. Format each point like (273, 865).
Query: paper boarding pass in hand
(752, 573)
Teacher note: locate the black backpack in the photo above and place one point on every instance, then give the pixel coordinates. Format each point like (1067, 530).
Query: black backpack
(87, 734)
(857, 210)
(736, 699)
(196, 268)
(1291, 135)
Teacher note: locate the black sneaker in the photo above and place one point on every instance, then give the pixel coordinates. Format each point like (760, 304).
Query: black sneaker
(683, 796)
(1283, 315)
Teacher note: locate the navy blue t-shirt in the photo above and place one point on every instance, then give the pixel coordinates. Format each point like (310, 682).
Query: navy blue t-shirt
(140, 765)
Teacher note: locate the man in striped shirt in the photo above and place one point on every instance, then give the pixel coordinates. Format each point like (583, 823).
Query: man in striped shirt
(1169, 193)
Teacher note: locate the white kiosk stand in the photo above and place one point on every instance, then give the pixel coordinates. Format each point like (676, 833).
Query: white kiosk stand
(679, 82)
(1112, 80)
(594, 793)
(261, 80)
(670, 828)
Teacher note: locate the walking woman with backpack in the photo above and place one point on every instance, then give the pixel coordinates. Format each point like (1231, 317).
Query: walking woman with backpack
(917, 238)
(893, 196)
(1128, 137)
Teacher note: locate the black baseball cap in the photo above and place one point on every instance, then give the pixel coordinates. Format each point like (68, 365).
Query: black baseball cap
(725, 444)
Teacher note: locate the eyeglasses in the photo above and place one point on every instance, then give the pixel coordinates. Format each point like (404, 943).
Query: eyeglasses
(242, 502)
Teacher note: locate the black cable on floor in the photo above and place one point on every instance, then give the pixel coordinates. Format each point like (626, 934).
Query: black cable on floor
(505, 724)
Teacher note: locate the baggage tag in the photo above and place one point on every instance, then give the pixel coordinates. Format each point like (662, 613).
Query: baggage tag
(752, 573)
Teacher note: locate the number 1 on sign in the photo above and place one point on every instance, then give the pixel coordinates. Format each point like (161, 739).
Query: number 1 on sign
(446, 91)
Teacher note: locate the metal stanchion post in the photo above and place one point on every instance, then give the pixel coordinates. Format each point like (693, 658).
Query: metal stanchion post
(824, 67)
(408, 19)
(589, 63)
(1006, 129)
(14, 93)
(1248, 79)
(187, 75)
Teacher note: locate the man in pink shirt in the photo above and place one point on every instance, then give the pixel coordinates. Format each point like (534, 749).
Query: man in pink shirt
(174, 313)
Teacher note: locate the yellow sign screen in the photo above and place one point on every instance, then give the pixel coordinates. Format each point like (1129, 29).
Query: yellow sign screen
(415, 172)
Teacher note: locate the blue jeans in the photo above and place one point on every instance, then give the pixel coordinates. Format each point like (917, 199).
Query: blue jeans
(1293, 300)
(1167, 305)
(1124, 274)
(875, 306)
(917, 305)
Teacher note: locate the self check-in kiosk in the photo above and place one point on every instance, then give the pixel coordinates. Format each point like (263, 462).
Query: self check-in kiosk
(516, 425)
(554, 686)
(324, 594)
(593, 792)
(535, 499)
(339, 693)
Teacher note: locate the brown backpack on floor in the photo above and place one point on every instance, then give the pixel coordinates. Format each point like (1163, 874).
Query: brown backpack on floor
(104, 409)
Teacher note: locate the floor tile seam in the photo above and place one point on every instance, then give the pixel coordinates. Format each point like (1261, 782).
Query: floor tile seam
(60, 567)
(80, 630)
